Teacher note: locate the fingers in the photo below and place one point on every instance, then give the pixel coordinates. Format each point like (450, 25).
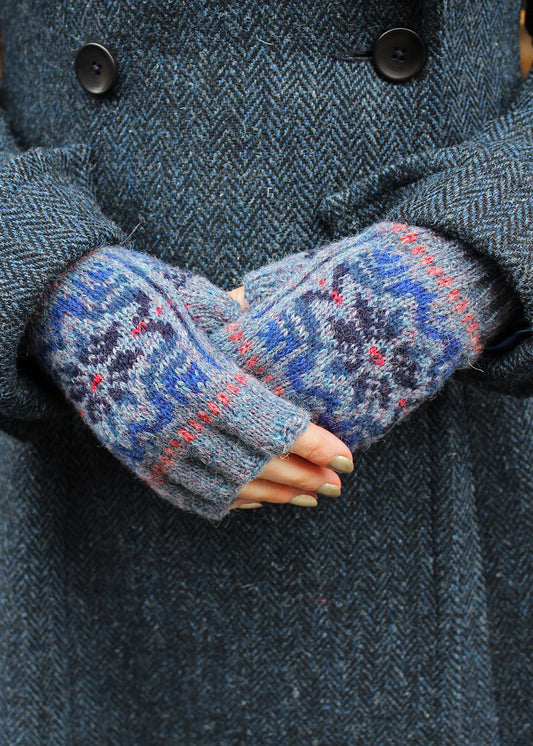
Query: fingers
(320, 447)
(263, 490)
(238, 294)
(298, 472)
(306, 468)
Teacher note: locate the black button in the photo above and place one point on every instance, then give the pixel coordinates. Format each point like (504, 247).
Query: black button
(399, 54)
(95, 68)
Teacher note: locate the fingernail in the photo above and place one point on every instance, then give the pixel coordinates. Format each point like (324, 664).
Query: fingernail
(331, 490)
(249, 505)
(341, 463)
(305, 501)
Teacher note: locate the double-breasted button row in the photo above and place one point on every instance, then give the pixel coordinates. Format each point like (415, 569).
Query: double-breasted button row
(398, 55)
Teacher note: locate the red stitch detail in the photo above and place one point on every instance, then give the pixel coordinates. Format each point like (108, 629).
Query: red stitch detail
(400, 227)
(243, 349)
(223, 397)
(444, 281)
(169, 302)
(322, 282)
(427, 260)
(251, 362)
(232, 388)
(157, 469)
(96, 380)
(454, 294)
(418, 249)
(279, 390)
(157, 479)
(467, 318)
(434, 271)
(81, 412)
(402, 402)
(236, 335)
(166, 461)
(176, 445)
(203, 416)
(137, 330)
(240, 378)
(159, 311)
(337, 297)
(169, 451)
(231, 326)
(374, 353)
(186, 435)
(259, 371)
(409, 238)
(196, 318)
(197, 425)
(268, 378)
(187, 305)
(460, 307)
(472, 327)
(213, 407)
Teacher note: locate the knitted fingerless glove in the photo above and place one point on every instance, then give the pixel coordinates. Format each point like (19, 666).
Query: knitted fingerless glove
(116, 338)
(362, 331)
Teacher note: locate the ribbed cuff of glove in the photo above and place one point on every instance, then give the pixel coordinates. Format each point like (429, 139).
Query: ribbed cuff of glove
(144, 376)
(362, 331)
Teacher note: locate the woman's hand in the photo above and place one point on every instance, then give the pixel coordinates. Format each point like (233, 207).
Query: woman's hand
(238, 294)
(305, 467)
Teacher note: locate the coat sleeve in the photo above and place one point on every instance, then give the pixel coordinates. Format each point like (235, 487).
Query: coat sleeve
(49, 218)
(480, 193)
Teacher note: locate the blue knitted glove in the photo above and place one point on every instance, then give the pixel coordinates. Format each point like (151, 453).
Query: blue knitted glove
(362, 331)
(115, 337)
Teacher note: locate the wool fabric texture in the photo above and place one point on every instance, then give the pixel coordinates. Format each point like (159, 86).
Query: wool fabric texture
(146, 379)
(235, 136)
(363, 331)
(359, 334)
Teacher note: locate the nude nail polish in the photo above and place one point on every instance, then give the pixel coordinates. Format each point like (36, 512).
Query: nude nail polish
(305, 501)
(331, 490)
(341, 463)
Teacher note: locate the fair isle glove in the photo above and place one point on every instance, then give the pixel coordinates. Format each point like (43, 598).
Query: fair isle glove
(145, 378)
(362, 331)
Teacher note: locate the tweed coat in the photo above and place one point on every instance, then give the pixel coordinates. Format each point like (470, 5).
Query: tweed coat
(398, 613)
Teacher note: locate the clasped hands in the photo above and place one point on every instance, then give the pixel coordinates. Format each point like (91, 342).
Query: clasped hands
(304, 470)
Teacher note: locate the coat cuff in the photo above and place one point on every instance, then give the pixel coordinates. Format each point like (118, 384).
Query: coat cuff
(49, 217)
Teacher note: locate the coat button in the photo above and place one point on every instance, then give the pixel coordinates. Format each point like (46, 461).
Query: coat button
(399, 54)
(95, 68)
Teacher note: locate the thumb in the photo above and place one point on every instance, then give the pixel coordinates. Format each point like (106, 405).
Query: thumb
(238, 294)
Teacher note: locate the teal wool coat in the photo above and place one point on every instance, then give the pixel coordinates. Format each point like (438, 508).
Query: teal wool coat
(232, 134)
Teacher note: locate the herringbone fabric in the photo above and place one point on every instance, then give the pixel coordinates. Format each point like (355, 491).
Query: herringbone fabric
(400, 612)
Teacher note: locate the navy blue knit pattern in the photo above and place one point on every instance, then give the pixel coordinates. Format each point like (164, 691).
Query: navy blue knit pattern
(364, 330)
(115, 336)
(368, 329)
